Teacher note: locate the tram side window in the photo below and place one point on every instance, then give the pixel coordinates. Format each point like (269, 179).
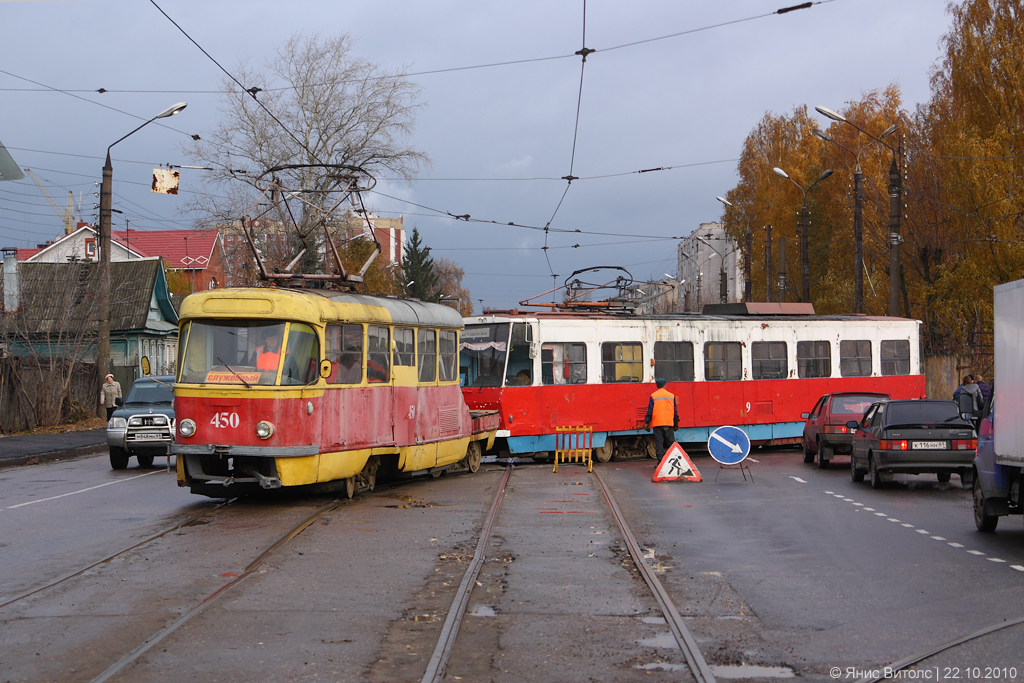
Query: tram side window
(622, 362)
(895, 356)
(722, 361)
(673, 361)
(427, 350)
(563, 363)
(345, 351)
(301, 355)
(768, 360)
(483, 349)
(378, 354)
(449, 355)
(519, 369)
(813, 359)
(405, 346)
(855, 358)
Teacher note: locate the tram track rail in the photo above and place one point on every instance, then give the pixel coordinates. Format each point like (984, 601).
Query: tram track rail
(124, 551)
(438, 664)
(250, 569)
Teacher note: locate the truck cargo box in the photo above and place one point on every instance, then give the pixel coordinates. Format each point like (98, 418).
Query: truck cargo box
(1008, 310)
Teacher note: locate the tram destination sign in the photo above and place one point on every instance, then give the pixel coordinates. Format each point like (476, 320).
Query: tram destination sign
(729, 445)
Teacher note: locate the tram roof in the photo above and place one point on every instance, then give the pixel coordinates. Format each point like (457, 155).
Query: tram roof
(402, 311)
(316, 303)
(737, 312)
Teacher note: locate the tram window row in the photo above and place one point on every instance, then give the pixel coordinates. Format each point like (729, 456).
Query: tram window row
(488, 361)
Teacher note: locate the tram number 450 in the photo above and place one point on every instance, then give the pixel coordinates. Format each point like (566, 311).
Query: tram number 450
(224, 420)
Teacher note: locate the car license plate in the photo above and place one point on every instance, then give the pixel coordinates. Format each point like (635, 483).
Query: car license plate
(929, 445)
(148, 437)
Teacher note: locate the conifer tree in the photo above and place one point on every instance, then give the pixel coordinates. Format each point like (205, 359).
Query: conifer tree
(418, 270)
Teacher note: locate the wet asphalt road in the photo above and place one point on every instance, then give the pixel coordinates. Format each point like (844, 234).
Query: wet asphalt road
(798, 572)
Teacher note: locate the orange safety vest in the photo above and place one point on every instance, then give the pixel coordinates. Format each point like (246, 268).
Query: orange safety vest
(267, 360)
(664, 411)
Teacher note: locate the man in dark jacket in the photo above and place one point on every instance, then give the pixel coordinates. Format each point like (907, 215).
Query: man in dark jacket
(662, 417)
(984, 388)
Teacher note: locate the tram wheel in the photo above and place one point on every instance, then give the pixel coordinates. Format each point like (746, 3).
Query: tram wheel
(350, 487)
(368, 477)
(474, 454)
(605, 452)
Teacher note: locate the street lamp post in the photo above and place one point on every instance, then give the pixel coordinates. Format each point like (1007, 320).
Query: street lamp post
(106, 190)
(723, 278)
(747, 294)
(858, 221)
(805, 260)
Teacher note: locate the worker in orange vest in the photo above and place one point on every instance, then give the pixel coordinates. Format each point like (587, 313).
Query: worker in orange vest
(662, 417)
(269, 354)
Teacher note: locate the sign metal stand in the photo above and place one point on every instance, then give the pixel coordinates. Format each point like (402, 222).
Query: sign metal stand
(730, 446)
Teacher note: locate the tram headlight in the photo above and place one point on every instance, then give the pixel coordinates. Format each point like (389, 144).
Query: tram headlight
(186, 427)
(264, 429)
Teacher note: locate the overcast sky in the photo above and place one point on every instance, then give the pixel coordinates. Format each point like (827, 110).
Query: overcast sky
(499, 138)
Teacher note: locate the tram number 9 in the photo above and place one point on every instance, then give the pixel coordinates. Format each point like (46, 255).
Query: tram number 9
(224, 420)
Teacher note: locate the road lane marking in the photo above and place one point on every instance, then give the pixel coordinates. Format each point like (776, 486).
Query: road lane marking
(91, 488)
(797, 479)
(923, 532)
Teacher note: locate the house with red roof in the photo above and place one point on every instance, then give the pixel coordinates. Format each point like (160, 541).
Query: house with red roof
(196, 256)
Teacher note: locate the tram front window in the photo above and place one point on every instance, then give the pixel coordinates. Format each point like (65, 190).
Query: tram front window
(483, 351)
(247, 352)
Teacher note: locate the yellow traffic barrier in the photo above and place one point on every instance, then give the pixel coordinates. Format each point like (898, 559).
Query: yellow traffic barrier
(574, 444)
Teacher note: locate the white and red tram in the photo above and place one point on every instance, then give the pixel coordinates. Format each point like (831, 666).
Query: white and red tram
(755, 366)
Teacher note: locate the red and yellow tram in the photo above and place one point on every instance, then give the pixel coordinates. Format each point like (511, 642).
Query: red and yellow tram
(755, 366)
(278, 388)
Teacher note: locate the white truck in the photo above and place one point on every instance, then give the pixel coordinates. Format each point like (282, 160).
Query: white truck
(1000, 456)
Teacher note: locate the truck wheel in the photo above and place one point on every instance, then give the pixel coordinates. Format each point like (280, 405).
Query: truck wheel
(824, 455)
(145, 460)
(118, 458)
(605, 452)
(943, 477)
(876, 476)
(985, 523)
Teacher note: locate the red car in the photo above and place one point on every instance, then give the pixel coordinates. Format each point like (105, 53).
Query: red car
(826, 433)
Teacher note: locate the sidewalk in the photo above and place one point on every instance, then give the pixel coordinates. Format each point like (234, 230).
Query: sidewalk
(29, 449)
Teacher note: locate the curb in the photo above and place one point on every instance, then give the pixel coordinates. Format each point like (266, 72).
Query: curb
(63, 454)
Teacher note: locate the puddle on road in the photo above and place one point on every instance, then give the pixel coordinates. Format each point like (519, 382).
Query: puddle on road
(481, 611)
(752, 671)
(739, 671)
(653, 620)
(662, 640)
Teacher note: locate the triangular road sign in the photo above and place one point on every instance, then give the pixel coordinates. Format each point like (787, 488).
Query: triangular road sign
(676, 466)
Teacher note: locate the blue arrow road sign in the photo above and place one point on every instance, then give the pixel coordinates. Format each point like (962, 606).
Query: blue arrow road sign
(729, 445)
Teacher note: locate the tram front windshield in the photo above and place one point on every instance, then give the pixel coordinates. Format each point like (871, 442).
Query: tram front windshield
(248, 352)
(482, 354)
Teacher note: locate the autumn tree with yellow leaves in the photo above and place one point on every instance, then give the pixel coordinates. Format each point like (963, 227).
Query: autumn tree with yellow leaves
(960, 157)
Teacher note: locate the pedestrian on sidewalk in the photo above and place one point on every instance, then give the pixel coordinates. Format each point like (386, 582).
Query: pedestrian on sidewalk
(662, 417)
(108, 394)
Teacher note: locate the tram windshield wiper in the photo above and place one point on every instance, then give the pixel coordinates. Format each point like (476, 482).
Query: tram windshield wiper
(247, 385)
